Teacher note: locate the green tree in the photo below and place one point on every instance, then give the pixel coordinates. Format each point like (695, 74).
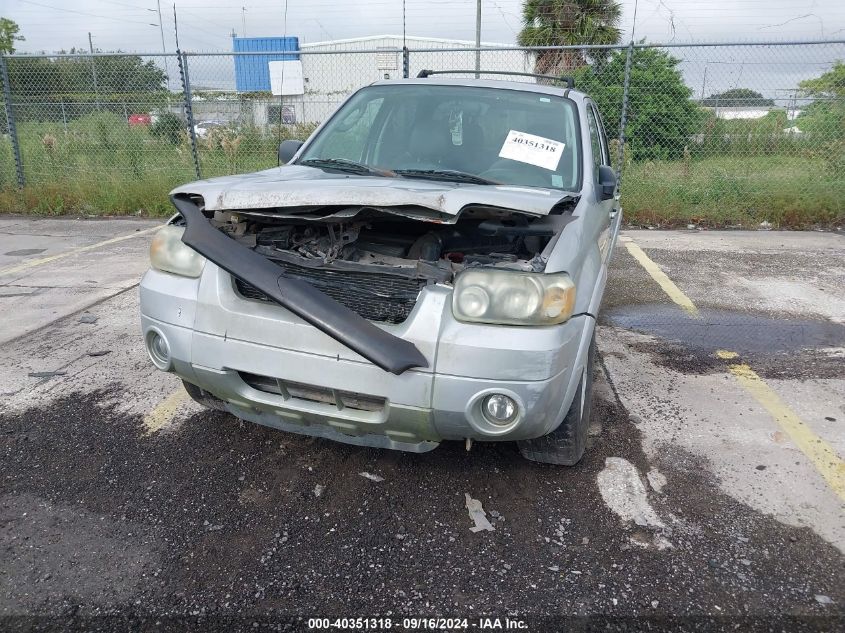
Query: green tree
(661, 115)
(568, 23)
(120, 79)
(824, 118)
(57, 75)
(8, 36)
(169, 127)
(737, 97)
(829, 85)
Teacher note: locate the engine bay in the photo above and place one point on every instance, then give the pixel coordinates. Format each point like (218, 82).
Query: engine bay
(395, 244)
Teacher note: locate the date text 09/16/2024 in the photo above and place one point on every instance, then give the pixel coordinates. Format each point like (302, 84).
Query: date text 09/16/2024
(418, 624)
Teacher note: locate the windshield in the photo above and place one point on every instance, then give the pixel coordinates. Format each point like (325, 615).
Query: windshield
(457, 133)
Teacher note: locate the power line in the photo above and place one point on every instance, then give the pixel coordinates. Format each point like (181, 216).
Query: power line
(504, 15)
(634, 23)
(197, 16)
(202, 30)
(123, 4)
(95, 15)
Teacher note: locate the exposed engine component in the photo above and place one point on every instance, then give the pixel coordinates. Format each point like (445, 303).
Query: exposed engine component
(377, 265)
(385, 242)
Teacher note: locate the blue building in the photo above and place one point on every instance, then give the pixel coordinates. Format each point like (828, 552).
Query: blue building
(252, 72)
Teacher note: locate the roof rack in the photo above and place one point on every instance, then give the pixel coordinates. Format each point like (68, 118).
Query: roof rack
(569, 81)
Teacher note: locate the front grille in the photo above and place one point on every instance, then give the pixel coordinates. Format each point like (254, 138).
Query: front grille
(300, 391)
(375, 296)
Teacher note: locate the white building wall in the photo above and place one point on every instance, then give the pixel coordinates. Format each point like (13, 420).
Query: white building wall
(333, 70)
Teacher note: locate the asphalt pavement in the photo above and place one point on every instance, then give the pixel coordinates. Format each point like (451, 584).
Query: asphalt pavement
(712, 494)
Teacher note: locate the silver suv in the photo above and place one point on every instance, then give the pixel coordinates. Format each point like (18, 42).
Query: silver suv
(427, 266)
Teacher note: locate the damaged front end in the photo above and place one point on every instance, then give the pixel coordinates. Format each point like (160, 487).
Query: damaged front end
(345, 268)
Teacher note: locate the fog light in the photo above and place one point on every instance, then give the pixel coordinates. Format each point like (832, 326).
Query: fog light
(499, 409)
(159, 350)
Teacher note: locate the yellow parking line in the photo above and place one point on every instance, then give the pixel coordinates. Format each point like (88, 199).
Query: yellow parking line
(822, 455)
(669, 287)
(31, 263)
(164, 411)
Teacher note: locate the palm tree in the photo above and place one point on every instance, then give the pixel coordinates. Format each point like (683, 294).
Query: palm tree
(568, 23)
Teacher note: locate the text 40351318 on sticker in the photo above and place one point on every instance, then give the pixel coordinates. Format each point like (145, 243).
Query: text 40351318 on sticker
(532, 149)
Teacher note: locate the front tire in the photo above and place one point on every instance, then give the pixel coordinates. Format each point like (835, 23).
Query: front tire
(565, 445)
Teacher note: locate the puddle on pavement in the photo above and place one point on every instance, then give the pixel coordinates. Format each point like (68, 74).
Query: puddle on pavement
(740, 332)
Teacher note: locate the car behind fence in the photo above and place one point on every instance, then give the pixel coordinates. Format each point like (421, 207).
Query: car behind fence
(719, 135)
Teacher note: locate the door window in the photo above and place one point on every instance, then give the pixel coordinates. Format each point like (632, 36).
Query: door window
(602, 138)
(595, 142)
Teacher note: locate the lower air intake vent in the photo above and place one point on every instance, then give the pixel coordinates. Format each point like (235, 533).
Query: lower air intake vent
(299, 391)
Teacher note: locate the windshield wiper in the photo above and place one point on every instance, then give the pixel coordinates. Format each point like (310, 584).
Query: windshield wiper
(343, 164)
(450, 175)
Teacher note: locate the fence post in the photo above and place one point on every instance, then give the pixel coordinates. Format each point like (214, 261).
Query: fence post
(623, 119)
(10, 121)
(189, 112)
(406, 62)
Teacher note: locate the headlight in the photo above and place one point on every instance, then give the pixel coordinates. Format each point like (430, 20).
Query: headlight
(168, 253)
(513, 298)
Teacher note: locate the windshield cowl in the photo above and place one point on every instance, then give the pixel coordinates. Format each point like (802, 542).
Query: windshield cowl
(345, 165)
(449, 175)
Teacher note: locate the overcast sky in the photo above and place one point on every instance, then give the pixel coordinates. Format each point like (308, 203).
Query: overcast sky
(206, 25)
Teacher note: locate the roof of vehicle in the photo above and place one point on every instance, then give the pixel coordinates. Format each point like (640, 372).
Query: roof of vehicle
(525, 86)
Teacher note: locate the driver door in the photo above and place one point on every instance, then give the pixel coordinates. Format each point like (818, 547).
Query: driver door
(610, 209)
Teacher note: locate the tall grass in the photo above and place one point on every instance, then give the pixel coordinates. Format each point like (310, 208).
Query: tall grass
(784, 191)
(98, 165)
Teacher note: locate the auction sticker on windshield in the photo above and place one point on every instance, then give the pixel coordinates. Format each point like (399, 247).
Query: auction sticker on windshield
(531, 149)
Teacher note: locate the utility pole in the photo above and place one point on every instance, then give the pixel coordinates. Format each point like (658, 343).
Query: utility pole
(243, 21)
(163, 46)
(477, 39)
(93, 70)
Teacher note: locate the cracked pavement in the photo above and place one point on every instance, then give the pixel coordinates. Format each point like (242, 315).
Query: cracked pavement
(691, 508)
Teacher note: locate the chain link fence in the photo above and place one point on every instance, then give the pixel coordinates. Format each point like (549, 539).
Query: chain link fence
(719, 135)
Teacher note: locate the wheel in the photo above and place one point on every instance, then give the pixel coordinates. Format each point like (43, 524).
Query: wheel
(201, 396)
(565, 445)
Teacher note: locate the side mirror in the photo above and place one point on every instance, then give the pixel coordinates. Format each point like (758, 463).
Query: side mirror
(607, 183)
(287, 150)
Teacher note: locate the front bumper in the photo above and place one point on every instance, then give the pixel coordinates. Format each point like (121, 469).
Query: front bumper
(217, 340)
